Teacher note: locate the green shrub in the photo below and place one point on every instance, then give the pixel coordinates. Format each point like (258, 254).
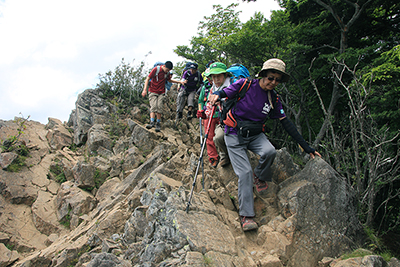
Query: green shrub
(14, 144)
(56, 172)
(124, 85)
(66, 221)
(100, 177)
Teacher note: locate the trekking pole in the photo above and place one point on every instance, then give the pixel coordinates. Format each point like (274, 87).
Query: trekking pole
(200, 159)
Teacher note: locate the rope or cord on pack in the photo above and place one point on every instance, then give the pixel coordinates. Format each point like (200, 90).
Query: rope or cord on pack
(292, 131)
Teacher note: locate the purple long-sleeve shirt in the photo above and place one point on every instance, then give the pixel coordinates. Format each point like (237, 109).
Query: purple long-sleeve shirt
(254, 106)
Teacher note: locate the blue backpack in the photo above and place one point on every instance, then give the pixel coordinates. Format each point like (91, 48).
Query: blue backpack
(238, 72)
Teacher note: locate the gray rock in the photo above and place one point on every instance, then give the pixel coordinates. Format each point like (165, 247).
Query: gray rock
(370, 261)
(98, 137)
(72, 200)
(107, 260)
(84, 175)
(143, 139)
(394, 262)
(325, 211)
(58, 136)
(7, 257)
(7, 158)
(90, 109)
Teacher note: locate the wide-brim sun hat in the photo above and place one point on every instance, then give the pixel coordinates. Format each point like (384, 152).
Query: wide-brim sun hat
(217, 68)
(276, 65)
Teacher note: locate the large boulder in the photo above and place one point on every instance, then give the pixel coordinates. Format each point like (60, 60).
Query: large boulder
(58, 136)
(7, 257)
(143, 139)
(90, 109)
(325, 214)
(99, 139)
(71, 203)
(44, 214)
(84, 173)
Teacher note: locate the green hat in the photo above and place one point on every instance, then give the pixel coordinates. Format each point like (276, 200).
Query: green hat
(217, 68)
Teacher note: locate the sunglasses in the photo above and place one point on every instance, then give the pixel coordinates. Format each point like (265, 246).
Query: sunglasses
(271, 79)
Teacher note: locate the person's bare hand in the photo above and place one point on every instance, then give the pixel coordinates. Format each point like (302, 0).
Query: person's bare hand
(315, 153)
(213, 99)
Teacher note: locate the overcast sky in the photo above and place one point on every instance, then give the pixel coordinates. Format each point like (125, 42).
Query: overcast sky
(52, 50)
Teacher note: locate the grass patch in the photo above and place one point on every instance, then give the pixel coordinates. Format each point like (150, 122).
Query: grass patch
(57, 172)
(66, 221)
(100, 177)
(207, 260)
(17, 164)
(10, 247)
(360, 252)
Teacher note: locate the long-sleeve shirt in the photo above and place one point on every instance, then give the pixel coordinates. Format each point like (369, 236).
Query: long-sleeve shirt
(256, 105)
(194, 80)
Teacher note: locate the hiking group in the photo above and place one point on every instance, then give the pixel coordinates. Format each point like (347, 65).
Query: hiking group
(235, 109)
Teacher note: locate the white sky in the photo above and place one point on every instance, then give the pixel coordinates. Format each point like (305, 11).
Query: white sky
(52, 50)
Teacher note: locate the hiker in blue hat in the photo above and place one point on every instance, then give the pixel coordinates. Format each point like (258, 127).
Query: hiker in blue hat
(191, 81)
(250, 113)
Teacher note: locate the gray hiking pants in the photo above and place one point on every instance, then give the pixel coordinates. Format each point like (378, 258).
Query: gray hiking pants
(260, 145)
(183, 95)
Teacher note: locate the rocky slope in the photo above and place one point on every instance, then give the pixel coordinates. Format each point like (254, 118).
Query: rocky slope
(120, 198)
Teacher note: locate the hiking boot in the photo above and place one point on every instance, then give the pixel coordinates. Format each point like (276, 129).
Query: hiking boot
(224, 162)
(151, 125)
(260, 185)
(189, 115)
(179, 115)
(248, 223)
(158, 127)
(214, 162)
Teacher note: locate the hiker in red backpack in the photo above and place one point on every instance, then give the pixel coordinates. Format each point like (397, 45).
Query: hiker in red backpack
(158, 76)
(250, 113)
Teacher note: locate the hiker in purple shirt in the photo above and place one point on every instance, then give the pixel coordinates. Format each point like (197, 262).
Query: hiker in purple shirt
(250, 113)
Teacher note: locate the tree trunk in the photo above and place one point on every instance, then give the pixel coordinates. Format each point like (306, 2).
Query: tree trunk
(338, 69)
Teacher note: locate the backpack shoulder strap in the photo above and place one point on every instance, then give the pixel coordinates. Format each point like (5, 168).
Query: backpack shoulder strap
(273, 98)
(245, 86)
(270, 100)
(242, 91)
(158, 71)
